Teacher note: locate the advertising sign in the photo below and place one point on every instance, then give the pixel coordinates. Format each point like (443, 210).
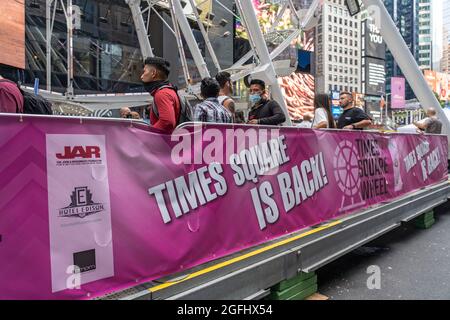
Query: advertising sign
(397, 93)
(439, 83)
(373, 40)
(375, 76)
(94, 207)
(12, 33)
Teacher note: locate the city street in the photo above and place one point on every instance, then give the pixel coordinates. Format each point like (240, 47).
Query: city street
(413, 263)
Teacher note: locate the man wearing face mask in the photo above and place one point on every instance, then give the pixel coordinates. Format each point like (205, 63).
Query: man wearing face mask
(263, 111)
(165, 114)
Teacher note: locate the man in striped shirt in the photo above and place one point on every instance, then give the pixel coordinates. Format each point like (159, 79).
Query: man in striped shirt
(210, 110)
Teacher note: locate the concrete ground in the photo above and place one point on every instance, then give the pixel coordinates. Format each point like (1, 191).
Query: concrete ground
(413, 264)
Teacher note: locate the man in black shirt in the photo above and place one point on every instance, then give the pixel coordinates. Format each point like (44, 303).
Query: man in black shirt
(352, 117)
(263, 111)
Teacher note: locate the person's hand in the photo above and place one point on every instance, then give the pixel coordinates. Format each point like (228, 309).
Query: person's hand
(253, 121)
(349, 127)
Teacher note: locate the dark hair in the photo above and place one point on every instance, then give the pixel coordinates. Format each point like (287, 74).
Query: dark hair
(322, 100)
(347, 93)
(160, 64)
(209, 88)
(259, 82)
(223, 77)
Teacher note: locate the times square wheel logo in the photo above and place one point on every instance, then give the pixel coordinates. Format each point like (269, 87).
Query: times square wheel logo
(346, 168)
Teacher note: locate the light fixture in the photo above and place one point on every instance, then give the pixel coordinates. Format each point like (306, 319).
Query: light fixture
(223, 22)
(126, 22)
(353, 7)
(59, 9)
(34, 4)
(105, 18)
(210, 16)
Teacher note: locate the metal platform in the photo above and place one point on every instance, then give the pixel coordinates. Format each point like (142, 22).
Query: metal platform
(248, 274)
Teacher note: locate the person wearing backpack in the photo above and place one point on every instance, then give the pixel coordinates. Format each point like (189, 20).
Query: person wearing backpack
(11, 100)
(166, 112)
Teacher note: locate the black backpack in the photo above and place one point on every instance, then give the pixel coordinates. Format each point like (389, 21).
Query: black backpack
(35, 104)
(185, 107)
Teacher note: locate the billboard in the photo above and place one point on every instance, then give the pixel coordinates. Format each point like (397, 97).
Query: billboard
(398, 93)
(374, 45)
(71, 231)
(439, 83)
(12, 33)
(298, 87)
(358, 100)
(375, 76)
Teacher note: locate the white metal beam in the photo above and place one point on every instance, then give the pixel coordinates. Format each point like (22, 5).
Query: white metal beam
(266, 71)
(139, 25)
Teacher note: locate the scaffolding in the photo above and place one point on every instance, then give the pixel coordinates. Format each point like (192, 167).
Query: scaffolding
(262, 65)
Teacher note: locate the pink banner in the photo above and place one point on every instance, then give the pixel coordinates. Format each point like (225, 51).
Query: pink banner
(89, 207)
(398, 93)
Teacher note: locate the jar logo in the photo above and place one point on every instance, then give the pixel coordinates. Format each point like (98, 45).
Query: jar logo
(81, 204)
(79, 155)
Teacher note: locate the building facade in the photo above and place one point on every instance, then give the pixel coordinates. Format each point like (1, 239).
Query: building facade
(445, 62)
(425, 26)
(414, 21)
(338, 49)
(107, 55)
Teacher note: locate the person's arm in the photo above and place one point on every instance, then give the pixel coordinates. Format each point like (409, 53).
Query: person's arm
(362, 120)
(278, 115)
(421, 125)
(321, 125)
(165, 104)
(229, 105)
(359, 125)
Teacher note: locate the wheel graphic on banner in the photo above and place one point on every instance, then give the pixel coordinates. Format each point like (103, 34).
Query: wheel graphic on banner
(346, 168)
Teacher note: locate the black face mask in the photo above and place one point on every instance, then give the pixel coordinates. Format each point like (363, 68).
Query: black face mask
(153, 85)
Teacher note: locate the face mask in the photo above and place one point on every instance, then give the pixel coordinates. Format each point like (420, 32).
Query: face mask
(254, 98)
